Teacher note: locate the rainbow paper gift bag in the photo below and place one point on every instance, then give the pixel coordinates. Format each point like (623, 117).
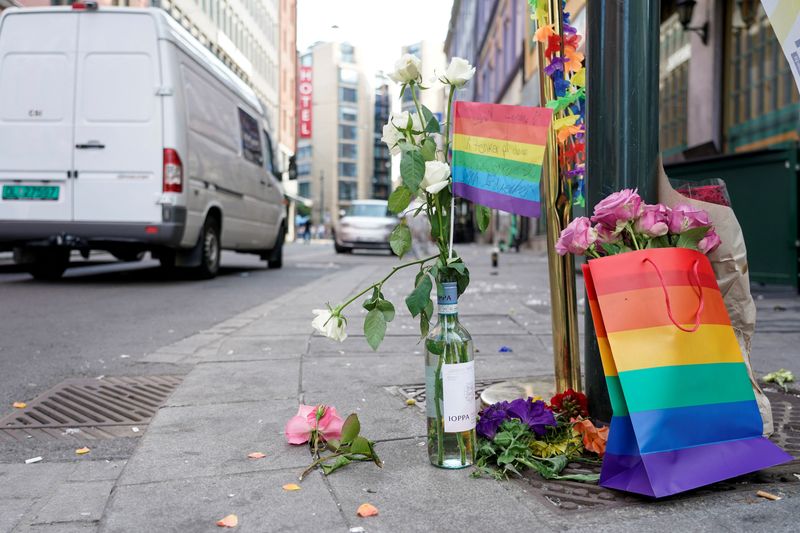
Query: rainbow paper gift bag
(684, 410)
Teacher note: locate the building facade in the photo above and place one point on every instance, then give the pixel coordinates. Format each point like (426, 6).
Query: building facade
(382, 157)
(287, 92)
(461, 39)
(336, 140)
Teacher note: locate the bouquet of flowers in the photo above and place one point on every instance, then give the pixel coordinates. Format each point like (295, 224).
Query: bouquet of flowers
(530, 434)
(622, 222)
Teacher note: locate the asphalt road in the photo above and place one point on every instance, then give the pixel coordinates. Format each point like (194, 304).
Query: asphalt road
(103, 316)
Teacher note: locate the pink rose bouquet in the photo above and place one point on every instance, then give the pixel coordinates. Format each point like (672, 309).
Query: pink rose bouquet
(622, 222)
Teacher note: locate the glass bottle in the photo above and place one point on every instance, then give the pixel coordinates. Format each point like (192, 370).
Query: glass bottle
(450, 386)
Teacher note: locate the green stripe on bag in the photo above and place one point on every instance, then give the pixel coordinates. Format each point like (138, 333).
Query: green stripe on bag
(686, 385)
(618, 406)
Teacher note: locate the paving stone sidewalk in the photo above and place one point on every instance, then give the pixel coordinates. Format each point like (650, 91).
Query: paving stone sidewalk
(249, 373)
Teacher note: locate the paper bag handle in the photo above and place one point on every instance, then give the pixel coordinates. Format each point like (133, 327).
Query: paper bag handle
(696, 279)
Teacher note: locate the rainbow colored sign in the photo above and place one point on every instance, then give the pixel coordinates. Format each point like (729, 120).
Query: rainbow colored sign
(684, 410)
(498, 152)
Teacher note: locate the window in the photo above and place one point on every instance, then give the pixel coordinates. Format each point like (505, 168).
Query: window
(348, 190)
(303, 169)
(348, 114)
(673, 86)
(348, 53)
(304, 189)
(251, 139)
(306, 60)
(348, 75)
(268, 161)
(348, 132)
(348, 170)
(348, 150)
(348, 94)
(367, 210)
(762, 100)
(304, 152)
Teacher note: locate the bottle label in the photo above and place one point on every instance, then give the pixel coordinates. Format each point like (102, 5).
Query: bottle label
(460, 412)
(448, 298)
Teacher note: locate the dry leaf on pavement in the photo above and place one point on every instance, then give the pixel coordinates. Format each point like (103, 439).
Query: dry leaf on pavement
(82, 451)
(20, 405)
(229, 521)
(367, 509)
(291, 486)
(256, 455)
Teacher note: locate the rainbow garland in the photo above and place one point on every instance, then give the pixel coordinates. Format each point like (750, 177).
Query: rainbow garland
(565, 68)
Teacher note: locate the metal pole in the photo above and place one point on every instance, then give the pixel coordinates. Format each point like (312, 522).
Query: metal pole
(622, 127)
(557, 211)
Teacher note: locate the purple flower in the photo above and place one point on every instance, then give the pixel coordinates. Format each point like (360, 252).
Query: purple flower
(617, 209)
(685, 217)
(490, 419)
(557, 63)
(577, 237)
(534, 414)
(710, 242)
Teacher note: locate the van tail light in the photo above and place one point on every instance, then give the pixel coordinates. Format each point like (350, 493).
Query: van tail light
(173, 171)
(88, 5)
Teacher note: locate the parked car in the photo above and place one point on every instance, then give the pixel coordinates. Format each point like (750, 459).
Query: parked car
(364, 224)
(121, 132)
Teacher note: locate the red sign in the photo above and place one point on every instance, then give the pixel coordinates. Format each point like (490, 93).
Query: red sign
(304, 98)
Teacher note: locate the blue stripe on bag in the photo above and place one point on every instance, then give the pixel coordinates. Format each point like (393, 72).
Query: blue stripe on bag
(683, 427)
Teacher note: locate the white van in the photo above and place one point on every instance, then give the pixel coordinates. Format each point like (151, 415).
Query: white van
(119, 131)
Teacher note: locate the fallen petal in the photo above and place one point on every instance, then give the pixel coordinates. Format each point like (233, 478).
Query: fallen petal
(82, 451)
(33, 460)
(256, 455)
(367, 509)
(20, 405)
(767, 495)
(291, 486)
(229, 521)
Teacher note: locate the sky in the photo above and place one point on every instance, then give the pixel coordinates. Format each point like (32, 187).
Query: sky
(378, 28)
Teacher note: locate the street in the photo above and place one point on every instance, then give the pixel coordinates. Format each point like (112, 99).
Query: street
(104, 315)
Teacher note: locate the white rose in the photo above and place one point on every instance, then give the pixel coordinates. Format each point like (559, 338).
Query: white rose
(458, 72)
(407, 69)
(399, 120)
(392, 136)
(437, 176)
(330, 325)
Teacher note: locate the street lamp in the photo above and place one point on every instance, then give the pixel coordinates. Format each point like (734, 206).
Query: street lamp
(685, 12)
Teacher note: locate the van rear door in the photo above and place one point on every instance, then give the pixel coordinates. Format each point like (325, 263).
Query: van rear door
(37, 93)
(118, 130)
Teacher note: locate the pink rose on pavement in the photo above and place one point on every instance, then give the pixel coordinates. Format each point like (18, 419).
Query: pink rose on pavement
(654, 220)
(577, 237)
(309, 418)
(710, 242)
(617, 209)
(685, 217)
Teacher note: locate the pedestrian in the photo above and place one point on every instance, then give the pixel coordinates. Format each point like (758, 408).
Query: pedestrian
(307, 231)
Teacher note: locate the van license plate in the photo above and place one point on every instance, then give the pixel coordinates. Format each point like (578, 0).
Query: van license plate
(30, 192)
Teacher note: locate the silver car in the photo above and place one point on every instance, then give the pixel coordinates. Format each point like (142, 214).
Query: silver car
(365, 224)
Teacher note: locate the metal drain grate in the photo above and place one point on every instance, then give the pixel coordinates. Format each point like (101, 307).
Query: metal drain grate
(90, 409)
(416, 392)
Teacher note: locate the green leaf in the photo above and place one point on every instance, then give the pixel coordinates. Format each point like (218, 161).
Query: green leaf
(428, 308)
(400, 239)
(350, 429)
(420, 297)
(387, 308)
(690, 238)
(399, 199)
(337, 464)
(462, 280)
(428, 149)
(412, 169)
(375, 328)
(431, 124)
(659, 242)
(333, 445)
(360, 446)
(375, 458)
(484, 215)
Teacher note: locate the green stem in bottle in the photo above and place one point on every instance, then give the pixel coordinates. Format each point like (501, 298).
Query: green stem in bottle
(438, 394)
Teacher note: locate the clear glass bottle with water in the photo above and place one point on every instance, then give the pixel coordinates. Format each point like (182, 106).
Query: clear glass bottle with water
(450, 386)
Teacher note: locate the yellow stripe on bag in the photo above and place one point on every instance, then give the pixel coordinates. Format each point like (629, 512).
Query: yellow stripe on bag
(668, 346)
(609, 368)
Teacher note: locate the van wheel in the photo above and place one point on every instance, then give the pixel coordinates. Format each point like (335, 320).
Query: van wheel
(209, 250)
(49, 265)
(275, 257)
